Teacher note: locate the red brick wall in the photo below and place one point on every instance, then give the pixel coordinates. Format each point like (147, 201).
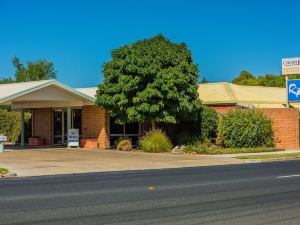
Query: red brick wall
(42, 124)
(223, 108)
(95, 123)
(285, 125)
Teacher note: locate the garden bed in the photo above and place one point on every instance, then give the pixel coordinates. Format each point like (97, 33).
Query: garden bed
(215, 151)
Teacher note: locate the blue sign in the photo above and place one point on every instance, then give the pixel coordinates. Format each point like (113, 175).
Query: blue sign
(293, 89)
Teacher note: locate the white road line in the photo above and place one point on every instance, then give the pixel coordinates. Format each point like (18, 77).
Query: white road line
(288, 176)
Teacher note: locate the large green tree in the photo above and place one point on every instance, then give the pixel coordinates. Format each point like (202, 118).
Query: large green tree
(35, 70)
(153, 79)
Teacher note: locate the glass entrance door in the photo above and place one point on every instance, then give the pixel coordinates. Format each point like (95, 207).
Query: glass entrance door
(59, 126)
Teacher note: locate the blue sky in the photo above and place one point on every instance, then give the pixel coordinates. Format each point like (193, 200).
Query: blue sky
(225, 37)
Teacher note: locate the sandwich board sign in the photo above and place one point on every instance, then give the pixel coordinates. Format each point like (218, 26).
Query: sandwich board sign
(293, 89)
(73, 138)
(290, 66)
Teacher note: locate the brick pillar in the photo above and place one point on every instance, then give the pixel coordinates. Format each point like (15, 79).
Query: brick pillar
(42, 124)
(95, 125)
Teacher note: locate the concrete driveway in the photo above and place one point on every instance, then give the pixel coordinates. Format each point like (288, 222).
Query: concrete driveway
(33, 162)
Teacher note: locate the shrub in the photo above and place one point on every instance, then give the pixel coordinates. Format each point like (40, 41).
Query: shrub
(209, 123)
(124, 145)
(198, 147)
(155, 141)
(206, 127)
(10, 124)
(246, 128)
(188, 138)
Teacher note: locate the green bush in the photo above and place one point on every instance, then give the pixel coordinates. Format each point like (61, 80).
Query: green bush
(10, 124)
(124, 145)
(206, 127)
(155, 141)
(209, 123)
(198, 147)
(246, 128)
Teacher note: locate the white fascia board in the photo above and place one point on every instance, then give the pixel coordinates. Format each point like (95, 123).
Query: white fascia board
(9, 99)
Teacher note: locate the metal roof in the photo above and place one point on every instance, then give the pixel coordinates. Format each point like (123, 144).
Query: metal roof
(88, 91)
(221, 93)
(9, 92)
(251, 96)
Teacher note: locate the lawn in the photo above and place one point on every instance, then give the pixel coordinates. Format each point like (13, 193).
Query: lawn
(3, 171)
(270, 156)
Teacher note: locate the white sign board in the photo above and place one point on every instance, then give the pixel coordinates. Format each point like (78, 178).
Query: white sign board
(73, 138)
(291, 66)
(3, 138)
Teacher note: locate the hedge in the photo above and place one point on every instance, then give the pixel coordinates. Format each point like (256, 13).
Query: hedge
(209, 123)
(10, 124)
(205, 128)
(246, 129)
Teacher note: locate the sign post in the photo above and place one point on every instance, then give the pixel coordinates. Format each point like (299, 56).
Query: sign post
(73, 138)
(291, 66)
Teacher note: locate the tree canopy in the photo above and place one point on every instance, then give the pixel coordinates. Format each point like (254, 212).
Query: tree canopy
(6, 81)
(268, 80)
(245, 78)
(37, 70)
(153, 79)
(203, 81)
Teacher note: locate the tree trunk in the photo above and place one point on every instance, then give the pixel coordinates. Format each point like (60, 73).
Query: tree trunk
(153, 125)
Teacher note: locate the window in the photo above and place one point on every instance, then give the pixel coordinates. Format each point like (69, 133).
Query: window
(117, 131)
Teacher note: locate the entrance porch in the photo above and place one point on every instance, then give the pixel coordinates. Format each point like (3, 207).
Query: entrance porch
(55, 108)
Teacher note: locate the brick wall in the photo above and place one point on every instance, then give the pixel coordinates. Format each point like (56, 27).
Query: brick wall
(285, 127)
(95, 123)
(223, 108)
(285, 124)
(42, 124)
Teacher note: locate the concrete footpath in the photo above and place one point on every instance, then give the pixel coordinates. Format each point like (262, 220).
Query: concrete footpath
(33, 162)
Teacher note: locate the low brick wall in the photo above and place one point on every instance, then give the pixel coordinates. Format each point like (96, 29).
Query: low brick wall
(285, 124)
(95, 125)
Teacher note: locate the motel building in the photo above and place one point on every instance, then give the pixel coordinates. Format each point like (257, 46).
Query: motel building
(55, 108)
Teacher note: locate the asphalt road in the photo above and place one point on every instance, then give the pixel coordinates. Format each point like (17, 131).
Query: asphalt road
(262, 193)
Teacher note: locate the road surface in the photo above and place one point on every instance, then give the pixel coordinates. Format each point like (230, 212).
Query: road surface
(260, 193)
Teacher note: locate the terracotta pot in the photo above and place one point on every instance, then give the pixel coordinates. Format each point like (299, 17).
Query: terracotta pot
(88, 143)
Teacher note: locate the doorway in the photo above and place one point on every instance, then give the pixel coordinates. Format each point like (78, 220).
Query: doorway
(60, 129)
(59, 126)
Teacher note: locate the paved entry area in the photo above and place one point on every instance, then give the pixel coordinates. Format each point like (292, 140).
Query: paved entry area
(32, 162)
